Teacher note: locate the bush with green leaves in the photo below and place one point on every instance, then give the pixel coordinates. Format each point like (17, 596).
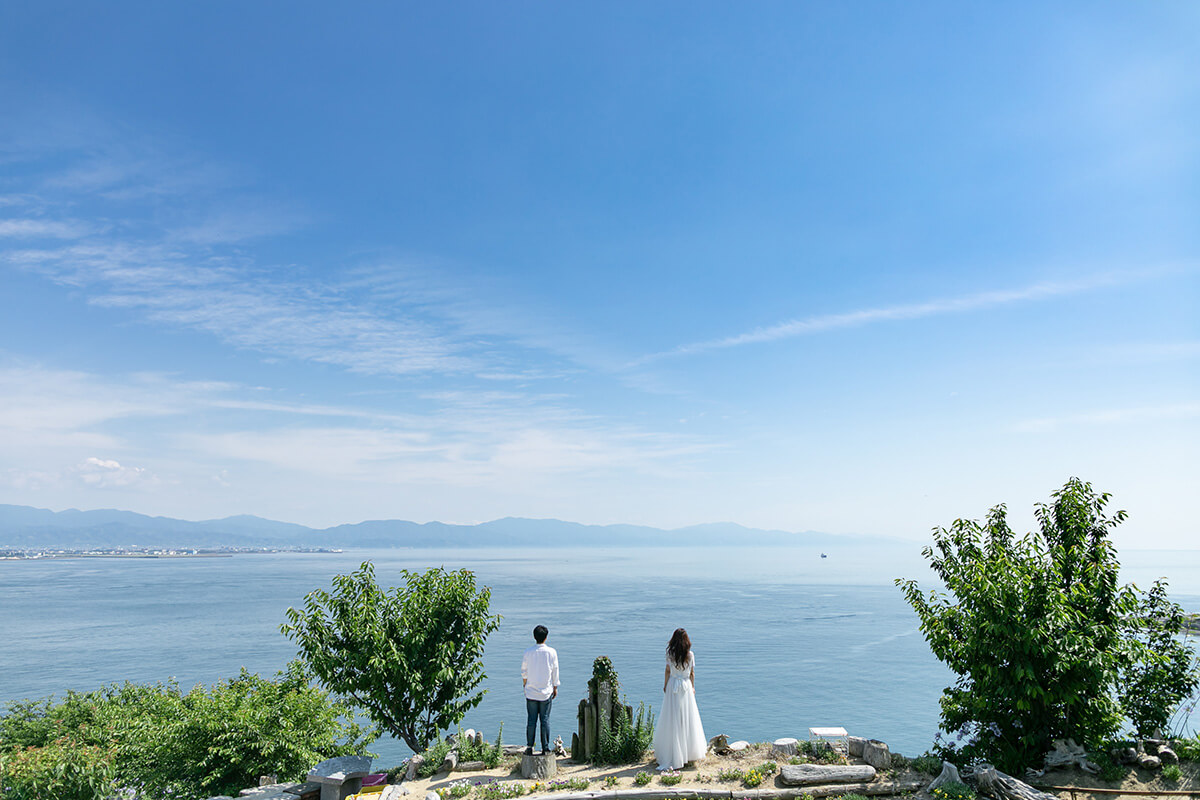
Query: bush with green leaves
(1040, 633)
(626, 741)
(1188, 749)
(1172, 773)
(410, 656)
(926, 764)
(489, 754)
(165, 742)
(642, 778)
(62, 769)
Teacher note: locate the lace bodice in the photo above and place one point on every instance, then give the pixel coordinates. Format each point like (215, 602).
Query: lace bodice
(684, 671)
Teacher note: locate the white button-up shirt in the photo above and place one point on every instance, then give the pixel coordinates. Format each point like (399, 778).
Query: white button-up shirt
(539, 670)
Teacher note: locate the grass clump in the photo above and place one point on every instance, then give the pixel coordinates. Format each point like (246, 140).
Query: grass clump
(1172, 773)
(641, 779)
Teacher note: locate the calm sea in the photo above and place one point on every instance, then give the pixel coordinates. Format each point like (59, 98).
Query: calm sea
(784, 639)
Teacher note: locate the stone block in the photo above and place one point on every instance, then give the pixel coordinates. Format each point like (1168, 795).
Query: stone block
(876, 754)
(854, 745)
(340, 777)
(738, 746)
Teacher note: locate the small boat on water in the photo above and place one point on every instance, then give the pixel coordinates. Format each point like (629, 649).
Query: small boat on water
(824, 556)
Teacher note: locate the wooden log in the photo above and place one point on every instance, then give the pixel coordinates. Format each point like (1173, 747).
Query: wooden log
(996, 784)
(873, 788)
(591, 741)
(450, 761)
(539, 767)
(817, 774)
(471, 766)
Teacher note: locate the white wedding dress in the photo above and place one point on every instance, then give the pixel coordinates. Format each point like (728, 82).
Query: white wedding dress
(679, 736)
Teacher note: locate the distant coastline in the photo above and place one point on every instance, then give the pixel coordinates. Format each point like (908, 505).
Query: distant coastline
(15, 554)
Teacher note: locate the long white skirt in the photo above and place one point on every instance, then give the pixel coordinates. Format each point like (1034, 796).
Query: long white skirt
(678, 735)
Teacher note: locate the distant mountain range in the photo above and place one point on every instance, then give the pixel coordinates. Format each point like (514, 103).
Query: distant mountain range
(24, 527)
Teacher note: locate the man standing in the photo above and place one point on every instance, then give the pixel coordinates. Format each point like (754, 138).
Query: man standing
(539, 674)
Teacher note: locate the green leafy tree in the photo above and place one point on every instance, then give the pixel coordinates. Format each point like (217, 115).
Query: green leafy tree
(165, 743)
(1160, 669)
(409, 656)
(1038, 631)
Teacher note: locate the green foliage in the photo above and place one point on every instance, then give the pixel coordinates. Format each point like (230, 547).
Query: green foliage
(954, 790)
(1110, 770)
(1160, 669)
(641, 779)
(851, 796)
(768, 768)
(731, 775)
(62, 768)
(752, 778)
(610, 781)
(411, 656)
(604, 671)
(1038, 632)
(1188, 749)
(489, 754)
(818, 752)
(1172, 773)
(578, 784)
(164, 742)
(628, 740)
(926, 764)
(433, 757)
(670, 778)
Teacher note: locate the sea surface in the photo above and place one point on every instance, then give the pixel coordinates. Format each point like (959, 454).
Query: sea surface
(784, 639)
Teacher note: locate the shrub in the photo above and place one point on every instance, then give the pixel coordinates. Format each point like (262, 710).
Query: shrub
(490, 754)
(752, 778)
(628, 740)
(1188, 749)
(731, 774)
(670, 778)
(166, 743)
(641, 779)
(1172, 773)
(1041, 635)
(432, 758)
(61, 769)
(926, 764)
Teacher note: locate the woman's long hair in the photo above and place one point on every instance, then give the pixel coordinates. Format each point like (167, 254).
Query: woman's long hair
(679, 647)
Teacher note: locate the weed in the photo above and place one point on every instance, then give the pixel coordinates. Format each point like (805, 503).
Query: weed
(953, 790)
(1172, 773)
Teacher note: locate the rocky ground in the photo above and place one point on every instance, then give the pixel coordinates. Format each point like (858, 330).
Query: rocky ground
(703, 775)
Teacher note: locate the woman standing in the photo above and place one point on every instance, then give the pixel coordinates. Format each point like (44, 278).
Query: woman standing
(679, 737)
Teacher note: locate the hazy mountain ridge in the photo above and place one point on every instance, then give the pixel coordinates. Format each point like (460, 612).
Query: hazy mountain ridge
(25, 526)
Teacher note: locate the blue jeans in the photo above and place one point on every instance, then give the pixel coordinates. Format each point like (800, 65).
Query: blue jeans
(538, 709)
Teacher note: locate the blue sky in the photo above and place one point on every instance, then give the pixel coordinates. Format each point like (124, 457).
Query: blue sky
(856, 267)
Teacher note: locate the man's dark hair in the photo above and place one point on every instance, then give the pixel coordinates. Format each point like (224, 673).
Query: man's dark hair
(540, 633)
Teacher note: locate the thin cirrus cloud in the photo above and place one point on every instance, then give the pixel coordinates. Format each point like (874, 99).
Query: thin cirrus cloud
(932, 308)
(1112, 416)
(173, 285)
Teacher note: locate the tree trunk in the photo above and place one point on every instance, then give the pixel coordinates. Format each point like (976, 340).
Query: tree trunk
(539, 767)
(996, 784)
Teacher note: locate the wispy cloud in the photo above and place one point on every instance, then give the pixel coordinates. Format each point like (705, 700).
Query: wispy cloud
(1115, 416)
(41, 229)
(910, 311)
